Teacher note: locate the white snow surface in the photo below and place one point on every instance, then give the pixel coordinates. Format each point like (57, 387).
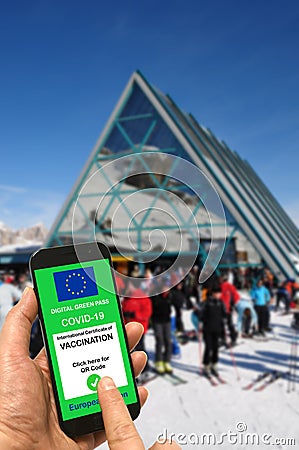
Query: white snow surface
(196, 407)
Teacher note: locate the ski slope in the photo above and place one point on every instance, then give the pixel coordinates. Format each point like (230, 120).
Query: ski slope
(196, 407)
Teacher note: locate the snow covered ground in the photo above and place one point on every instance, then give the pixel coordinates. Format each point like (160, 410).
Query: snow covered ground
(196, 408)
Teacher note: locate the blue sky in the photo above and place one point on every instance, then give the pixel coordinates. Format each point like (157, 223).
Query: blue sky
(232, 63)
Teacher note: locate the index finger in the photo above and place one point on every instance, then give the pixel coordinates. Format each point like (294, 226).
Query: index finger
(119, 427)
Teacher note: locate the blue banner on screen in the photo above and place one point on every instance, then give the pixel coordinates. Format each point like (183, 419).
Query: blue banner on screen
(73, 284)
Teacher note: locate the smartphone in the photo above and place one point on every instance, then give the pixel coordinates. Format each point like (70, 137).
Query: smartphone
(83, 332)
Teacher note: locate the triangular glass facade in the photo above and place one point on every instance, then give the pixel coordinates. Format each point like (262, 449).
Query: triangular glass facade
(128, 169)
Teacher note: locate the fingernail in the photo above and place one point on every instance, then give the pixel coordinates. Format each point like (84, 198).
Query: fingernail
(106, 384)
(26, 291)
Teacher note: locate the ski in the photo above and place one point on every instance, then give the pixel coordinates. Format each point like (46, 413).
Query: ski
(175, 380)
(261, 338)
(259, 378)
(274, 376)
(220, 379)
(148, 379)
(210, 379)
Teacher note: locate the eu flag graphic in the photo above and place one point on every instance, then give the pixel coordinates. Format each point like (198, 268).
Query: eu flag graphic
(72, 284)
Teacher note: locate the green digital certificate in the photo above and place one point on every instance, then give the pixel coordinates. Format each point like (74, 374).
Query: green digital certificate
(84, 332)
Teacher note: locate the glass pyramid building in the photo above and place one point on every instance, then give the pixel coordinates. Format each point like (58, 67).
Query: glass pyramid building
(150, 190)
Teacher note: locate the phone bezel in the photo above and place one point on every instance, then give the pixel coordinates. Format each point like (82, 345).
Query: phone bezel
(64, 255)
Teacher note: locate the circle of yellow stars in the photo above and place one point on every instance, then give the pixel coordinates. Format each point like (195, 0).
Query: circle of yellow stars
(81, 291)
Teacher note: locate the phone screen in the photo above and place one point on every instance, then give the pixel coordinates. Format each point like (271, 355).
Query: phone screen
(85, 335)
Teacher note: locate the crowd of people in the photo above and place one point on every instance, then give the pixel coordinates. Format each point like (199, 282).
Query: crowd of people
(218, 312)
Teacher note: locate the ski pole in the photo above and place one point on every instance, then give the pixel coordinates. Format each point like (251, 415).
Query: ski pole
(291, 363)
(233, 358)
(290, 367)
(200, 349)
(234, 363)
(295, 360)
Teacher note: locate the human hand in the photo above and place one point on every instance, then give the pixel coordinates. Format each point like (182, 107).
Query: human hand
(120, 430)
(28, 417)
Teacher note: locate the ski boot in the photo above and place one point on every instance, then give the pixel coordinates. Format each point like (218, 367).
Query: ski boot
(160, 369)
(214, 370)
(206, 371)
(167, 367)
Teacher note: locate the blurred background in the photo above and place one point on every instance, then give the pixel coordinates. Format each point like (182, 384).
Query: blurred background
(64, 65)
(214, 83)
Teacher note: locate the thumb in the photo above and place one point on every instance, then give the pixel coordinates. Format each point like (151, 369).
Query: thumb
(15, 334)
(119, 428)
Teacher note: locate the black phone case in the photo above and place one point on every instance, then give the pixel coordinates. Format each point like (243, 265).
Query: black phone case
(64, 255)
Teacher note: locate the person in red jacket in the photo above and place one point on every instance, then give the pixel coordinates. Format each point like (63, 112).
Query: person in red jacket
(230, 297)
(137, 307)
(120, 285)
(292, 287)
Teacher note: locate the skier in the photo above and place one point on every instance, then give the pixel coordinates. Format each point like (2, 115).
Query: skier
(247, 318)
(230, 298)
(213, 320)
(178, 299)
(261, 298)
(138, 308)
(161, 305)
(191, 287)
(292, 288)
(284, 295)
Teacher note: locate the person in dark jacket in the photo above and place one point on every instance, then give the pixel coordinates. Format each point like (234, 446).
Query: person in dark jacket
(178, 299)
(213, 320)
(284, 295)
(161, 306)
